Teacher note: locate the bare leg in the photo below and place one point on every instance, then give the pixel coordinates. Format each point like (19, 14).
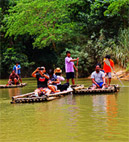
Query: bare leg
(73, 82)
(67, 80)
(15, 81)
(105, 80)
(53, 89)
(48, 92)
(109, 81)
(9, 82)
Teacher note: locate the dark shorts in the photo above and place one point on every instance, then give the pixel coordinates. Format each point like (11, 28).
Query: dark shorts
(69, 75)
(12, 82)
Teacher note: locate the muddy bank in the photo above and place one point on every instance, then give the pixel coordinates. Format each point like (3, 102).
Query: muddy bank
(124, 75)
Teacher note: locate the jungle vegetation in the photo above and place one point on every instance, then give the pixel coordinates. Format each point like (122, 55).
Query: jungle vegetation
(39, 32)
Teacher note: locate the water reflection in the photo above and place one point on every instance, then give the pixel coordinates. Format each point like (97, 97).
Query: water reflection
(99, 103)
(112, 113)
(14, 92)
(62, 113)
(106, 106)
(111, 106)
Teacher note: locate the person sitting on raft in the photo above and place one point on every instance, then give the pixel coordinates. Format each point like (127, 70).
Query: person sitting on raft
(14, 78)
(53, 81)
(58, 73)
(42, 81)
(98, 78)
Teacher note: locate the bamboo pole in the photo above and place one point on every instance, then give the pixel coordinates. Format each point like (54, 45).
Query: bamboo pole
(21, 96)
(59, 93)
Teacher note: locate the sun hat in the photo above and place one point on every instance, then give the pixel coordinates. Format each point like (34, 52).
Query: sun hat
(57, 70)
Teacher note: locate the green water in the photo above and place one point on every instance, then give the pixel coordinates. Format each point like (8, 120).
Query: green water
(80, 118)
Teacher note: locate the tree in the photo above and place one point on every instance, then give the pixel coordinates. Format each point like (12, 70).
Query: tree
(47, 21)
(120, 9)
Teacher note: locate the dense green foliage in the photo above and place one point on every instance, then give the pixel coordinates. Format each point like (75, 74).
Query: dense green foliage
(39, 32)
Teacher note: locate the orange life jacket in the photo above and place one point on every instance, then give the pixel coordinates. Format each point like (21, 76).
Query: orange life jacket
(107, 68)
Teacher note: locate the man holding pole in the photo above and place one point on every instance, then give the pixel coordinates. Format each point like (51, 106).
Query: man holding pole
(69, 67)
(108, 66)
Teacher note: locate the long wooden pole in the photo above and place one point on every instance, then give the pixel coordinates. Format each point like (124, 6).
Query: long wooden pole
(77, 72)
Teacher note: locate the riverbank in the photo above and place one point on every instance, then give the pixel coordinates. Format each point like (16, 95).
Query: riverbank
(121, 73)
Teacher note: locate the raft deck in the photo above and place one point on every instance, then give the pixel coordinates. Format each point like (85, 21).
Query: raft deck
(13, 86)
(75, 89)
(29, 98)
(111, 89)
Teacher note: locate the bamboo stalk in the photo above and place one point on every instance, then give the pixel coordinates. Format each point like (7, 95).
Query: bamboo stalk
(59, 93)
(51, 98)
(21, 96)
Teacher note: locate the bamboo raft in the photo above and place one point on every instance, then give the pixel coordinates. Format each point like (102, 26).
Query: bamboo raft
(113, 88)
(29, 98)
(75, 89)
(13, 86)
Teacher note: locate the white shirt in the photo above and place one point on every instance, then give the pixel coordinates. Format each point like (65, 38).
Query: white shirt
(16, 70)
(61, 78)
(98, 76)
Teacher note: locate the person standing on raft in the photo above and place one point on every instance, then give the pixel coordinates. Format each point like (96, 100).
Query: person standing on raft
(107, 67)
(17, 69)
(69, 67)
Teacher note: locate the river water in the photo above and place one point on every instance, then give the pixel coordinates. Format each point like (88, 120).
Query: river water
(80, 118)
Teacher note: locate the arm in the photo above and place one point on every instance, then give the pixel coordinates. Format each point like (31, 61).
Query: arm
(103, 80)
(34, 73)
(10, 79)
(62, 78)
(46, 76)
(19, 67)
(75, 68)
(57, 81)
(19, 78)
(72, 60)
(103, 77)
